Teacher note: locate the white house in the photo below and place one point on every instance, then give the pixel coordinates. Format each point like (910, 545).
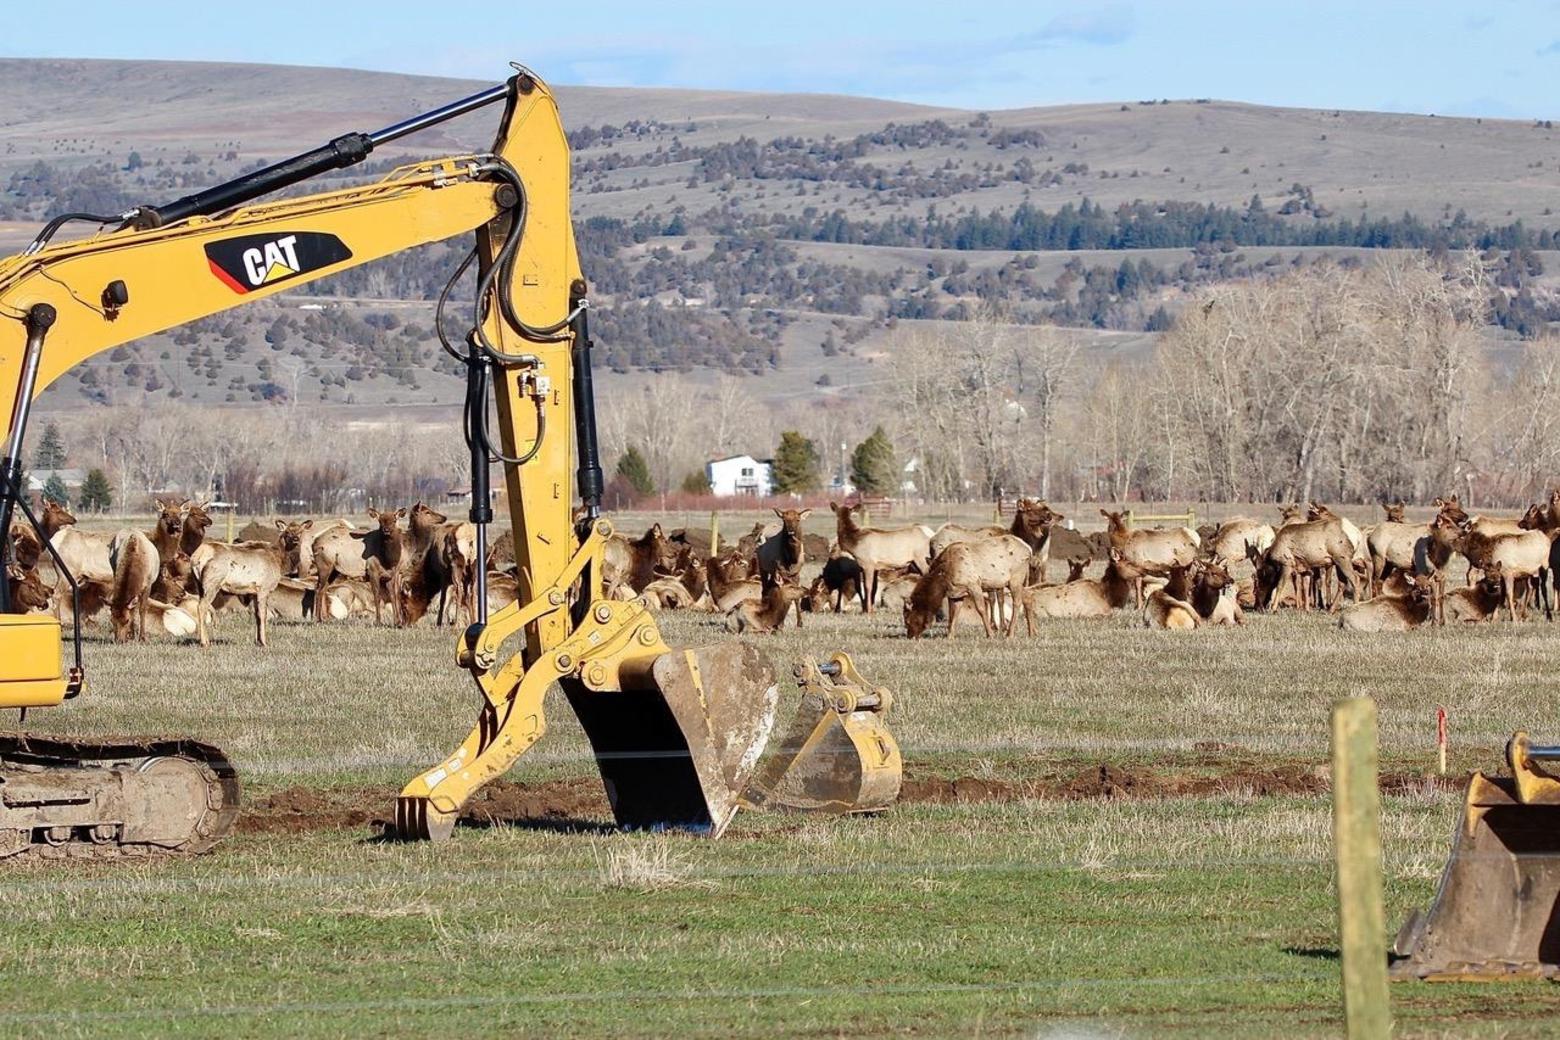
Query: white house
(740, 475)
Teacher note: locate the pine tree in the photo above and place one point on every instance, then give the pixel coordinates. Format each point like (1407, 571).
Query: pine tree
(633, 468)
(796, 464)
(96, 495)
(695, 483)
(50, 453)
(872, 466)
(54, 490)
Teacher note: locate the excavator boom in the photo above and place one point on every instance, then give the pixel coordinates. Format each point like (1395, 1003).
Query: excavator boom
(677, 734)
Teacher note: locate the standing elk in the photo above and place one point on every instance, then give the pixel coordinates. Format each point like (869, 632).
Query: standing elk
(1149, 553)
(780, 556)
(971, 570)
(876, 549)
(246, 569)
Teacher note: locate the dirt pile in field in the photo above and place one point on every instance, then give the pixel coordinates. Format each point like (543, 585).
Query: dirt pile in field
(557, 803)
(1108, 781)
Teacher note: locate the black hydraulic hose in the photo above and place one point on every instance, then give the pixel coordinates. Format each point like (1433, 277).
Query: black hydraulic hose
(52, 227)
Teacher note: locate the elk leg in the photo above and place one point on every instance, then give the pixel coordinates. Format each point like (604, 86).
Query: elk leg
(261, 610)
(1510, 583)
(868, 588)
(141, 608)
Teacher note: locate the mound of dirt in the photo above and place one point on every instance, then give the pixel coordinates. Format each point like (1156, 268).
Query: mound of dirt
(505, 802)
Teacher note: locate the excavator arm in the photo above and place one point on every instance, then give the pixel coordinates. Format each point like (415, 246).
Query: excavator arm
(676, 734)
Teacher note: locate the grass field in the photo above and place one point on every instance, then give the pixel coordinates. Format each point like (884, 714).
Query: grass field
(1184, 890)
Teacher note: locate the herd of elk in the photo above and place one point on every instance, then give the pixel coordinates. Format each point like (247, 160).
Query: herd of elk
(171, 577)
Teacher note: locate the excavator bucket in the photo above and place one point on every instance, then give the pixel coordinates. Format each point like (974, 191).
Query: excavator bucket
(838, 756)
(1496, 913)
(677, 750)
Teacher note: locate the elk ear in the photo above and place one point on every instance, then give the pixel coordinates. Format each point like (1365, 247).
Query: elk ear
(307, 524)
(655, 529)
(281, 525)
(779, 514)
(373, 513)
(400, 513)
(804, 514)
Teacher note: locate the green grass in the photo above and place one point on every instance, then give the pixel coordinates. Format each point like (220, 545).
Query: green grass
(1188, 916)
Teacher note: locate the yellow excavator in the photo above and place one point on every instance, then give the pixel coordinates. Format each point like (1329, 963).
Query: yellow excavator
(678, 734)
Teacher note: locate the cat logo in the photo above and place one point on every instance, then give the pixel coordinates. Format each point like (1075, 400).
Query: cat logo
(252, 262)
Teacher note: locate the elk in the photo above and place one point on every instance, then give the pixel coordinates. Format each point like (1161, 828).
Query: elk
(970, 570)
(1396, 514)
(728, 582)
(1393, 544)
(781, 555)
(1080, 597)
(1214, 596)
(1162, 610)
(1152, 552)
(1032, 522)
(341, 552)
(28, 592)
(1479, 601)
(1302, 547)
(668, 593)
(1229, 542)
(167, 534)
(765, 615)
(875, 549)
(636, 563)
(196, 522)
(1522, 555)
(384, 548)
(136, 567)
(84, 554)
(245, 569)
(1392, 613)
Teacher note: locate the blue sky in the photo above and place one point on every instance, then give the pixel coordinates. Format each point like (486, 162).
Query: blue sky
(1493, 58)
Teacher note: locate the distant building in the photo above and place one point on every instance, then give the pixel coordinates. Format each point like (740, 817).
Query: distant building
(740, 475)
(71, 478)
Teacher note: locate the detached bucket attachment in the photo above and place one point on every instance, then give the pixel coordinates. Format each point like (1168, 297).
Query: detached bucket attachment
(677, 752)
(838, 756)
(1495, 914)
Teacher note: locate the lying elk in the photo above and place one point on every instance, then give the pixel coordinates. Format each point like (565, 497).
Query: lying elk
(1081, 597)
(1392, 613)
(765, 615)
(636, 563)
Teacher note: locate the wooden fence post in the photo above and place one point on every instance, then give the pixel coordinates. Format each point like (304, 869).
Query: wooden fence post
(1362, 921)
(714, 533)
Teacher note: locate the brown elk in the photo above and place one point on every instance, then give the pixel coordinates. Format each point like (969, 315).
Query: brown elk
(1228, 544)
(384, 550)
(728, 583)
(636, 563)
(1521, 555)
(971, 570)
(1480, 601)
(250, 569)
(876, 549)
(1392, 613)
(167, 534)
(136, 567)
(196, 522)
(1033, 521)
(1214, 595)
(1396, 514)
(765, 615)
(1152, 552)
(668, 593)
(28, 591)
(780, 556)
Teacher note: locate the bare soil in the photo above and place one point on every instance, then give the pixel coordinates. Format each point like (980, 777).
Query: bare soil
(581, 802)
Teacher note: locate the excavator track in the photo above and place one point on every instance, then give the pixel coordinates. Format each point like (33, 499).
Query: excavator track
(112, 798)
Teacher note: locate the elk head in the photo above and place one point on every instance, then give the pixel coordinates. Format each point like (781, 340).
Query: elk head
(56, 516)
(1395, 514)
(170, 517)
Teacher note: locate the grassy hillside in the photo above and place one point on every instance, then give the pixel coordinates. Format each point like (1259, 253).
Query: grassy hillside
(775, 234)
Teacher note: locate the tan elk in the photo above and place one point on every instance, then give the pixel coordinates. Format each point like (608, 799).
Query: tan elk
(1151, 552)
(1229, 542)
(1521, 555)
(636, 563)
(251, 569)
(767, 614)
(875, 549)
(1033, 521)
(1081, 597)
(1162, 610)
(1301, 548)
(971, 570)
(339, 555)
(136, 567)
(1392, 613)
(728, 583)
